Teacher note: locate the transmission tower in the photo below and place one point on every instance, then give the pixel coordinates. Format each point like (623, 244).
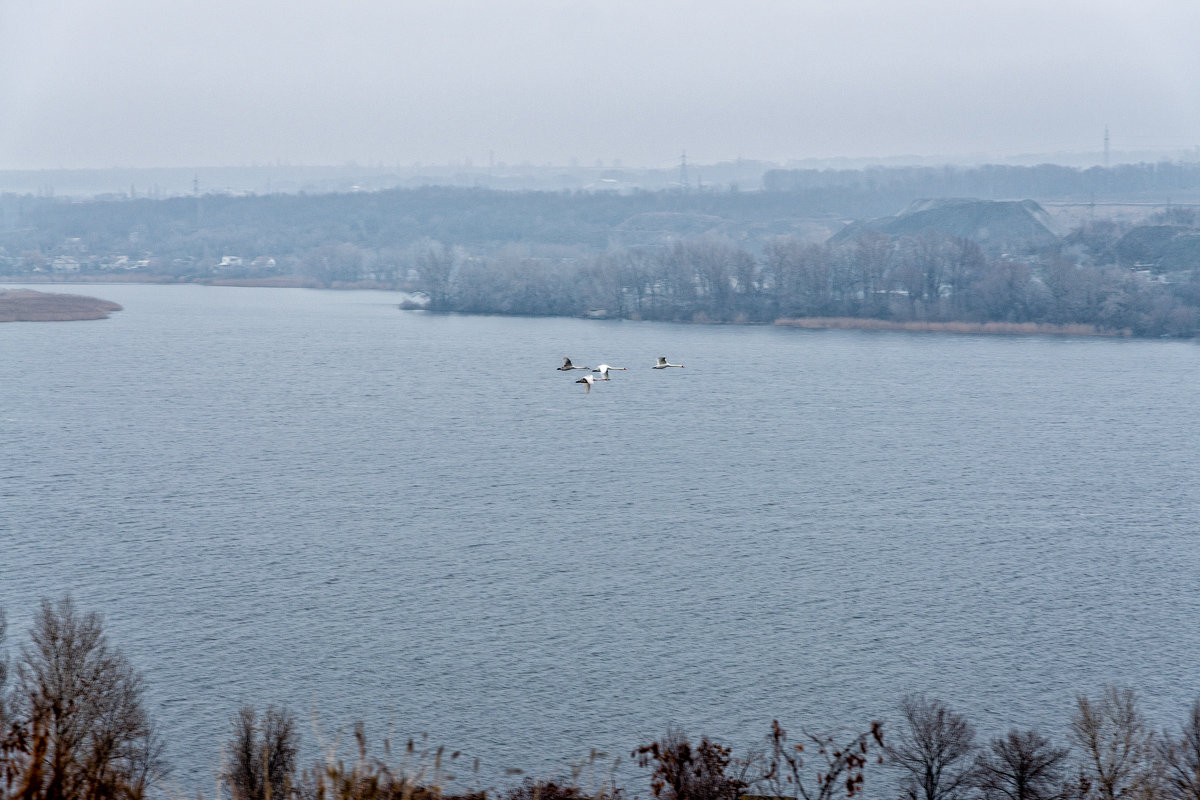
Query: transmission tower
(683, 176)
(1106, 147)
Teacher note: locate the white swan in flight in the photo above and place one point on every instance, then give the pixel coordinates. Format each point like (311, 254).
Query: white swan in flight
(603, 370)
(567, 365)
(662, 364)
(587, 381)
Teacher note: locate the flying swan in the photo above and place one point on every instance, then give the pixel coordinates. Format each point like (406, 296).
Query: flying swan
(567, 365)
(662, 364)
(603, 370)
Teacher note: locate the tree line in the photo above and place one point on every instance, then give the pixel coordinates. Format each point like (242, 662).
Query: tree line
(288, 226)
(719, 257)
(926, 278)
(74, 726)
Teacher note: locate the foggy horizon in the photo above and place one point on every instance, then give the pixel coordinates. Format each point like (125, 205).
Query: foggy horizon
(221, 84)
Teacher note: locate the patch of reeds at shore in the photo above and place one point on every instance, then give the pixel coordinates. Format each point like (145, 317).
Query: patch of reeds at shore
(275, 282)
(1006, 328)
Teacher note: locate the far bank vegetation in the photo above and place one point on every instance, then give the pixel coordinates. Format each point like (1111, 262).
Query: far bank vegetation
(813, 245)
(928, 282)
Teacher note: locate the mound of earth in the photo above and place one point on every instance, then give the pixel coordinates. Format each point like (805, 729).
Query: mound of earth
(997, 226)
(26, 305)
(1169, 248)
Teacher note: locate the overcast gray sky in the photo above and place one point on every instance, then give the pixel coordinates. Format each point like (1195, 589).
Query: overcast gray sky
(101, 83)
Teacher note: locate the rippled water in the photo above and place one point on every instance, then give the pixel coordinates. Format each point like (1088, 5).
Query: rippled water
(312, 497)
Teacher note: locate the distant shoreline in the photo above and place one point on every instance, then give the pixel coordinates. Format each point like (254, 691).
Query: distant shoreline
(813, 323)
(275, 282)
(26, 305)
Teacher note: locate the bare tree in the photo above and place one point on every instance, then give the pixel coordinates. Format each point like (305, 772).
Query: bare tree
(1116, 745)
(11, 745)
(262, 755)
(1179, 759)
(965, 260)
(781, 259)
(437, 266)
(835, 768)
(605, 288)
(635, 273)
(872, 255)
(1023, 765)
(79, 704)
(933, 750)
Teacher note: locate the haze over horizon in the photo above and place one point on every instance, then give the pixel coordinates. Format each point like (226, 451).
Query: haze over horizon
(216, 82)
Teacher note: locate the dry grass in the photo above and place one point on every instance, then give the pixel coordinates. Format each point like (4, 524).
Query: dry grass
(276, 282)
(421, 773)
(1007, 328)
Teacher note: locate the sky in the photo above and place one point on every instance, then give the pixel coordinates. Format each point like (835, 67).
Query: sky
(186, 83)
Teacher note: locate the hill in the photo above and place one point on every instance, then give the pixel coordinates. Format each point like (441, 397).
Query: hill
(1005, 226)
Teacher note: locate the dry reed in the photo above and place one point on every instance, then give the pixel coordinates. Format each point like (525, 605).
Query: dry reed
(1007, 328)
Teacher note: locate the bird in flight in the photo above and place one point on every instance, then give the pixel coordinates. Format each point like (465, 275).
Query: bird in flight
(662, 363)
(567, 365)
(603, 370)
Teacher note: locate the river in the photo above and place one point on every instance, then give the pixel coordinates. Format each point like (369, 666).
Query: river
(314, 498)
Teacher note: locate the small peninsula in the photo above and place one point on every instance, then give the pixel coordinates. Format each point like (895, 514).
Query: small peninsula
(26, 305)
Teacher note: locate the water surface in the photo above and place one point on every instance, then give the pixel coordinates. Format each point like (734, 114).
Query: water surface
(315, 498)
